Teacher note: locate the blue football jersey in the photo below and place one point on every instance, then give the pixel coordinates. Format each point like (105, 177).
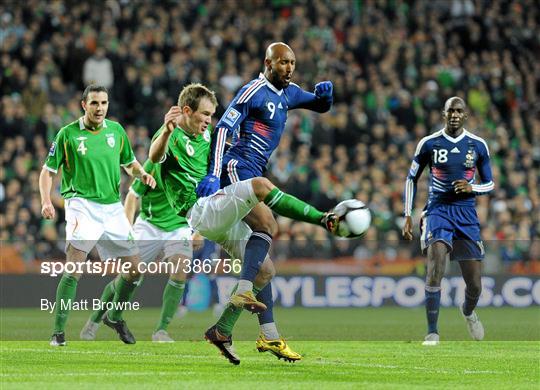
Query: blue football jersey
(450, 159)
(256, 119)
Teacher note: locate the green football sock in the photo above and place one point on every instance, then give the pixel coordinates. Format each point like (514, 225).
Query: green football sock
(292, 207)
(172, 294)
(106, 296)
(124, 292)
(65, 294)
(230, 315)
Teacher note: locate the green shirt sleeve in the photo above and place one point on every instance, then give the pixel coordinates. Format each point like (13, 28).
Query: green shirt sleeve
(56, 156)
(126, 152)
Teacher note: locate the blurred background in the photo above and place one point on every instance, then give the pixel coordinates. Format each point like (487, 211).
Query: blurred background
(393, 64)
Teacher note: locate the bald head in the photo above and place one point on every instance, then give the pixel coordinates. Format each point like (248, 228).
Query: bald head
(452, 100)
(279, 64)
(276, 50)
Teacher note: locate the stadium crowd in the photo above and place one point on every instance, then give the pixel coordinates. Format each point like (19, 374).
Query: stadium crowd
(393, 64)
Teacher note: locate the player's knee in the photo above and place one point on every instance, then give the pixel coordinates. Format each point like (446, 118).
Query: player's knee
(74, 254)
(266, 272)
(133, 275)
(474, 289)
(179, 276)
(262, 187)
(269, 226)
(265, 222)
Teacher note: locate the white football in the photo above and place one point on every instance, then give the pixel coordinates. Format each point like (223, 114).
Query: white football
(354, 218)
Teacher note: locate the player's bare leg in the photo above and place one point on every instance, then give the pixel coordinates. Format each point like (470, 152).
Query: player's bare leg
(65, 293)
(436, 264)
(471, 271)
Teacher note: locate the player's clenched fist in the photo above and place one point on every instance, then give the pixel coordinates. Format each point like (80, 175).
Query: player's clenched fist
(47, 210)
(407, 229)
(171, 117)
(324, 89)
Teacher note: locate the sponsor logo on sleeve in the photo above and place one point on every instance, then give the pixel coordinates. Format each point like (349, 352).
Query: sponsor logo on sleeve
(52, 150)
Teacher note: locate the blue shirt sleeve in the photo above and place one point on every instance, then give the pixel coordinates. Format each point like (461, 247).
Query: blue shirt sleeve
(298, 98)
(233, 117)
(484, 170)
(420, 160)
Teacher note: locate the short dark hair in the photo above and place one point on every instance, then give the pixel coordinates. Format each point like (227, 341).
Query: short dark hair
(192, 94)
(93, 88)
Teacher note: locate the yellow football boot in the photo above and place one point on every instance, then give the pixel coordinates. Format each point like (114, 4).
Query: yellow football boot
(278, 347)
(248, 301)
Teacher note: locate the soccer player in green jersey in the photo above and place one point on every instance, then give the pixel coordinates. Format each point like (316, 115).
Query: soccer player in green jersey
(160, 234)
(182, 146)
(90, 152)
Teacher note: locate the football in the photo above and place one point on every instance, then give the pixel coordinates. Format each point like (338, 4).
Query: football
(354, 218)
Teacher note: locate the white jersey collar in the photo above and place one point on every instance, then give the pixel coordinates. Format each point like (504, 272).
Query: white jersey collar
(452, 139)
(270, 85)
(82, 126)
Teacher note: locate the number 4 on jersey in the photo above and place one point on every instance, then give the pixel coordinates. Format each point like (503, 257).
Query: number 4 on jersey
(82, 147)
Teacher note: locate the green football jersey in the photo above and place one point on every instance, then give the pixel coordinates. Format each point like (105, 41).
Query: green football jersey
(155, 207)
(185, 165)
(90, 160)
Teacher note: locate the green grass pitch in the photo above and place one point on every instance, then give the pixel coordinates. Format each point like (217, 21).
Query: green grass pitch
(342, 348)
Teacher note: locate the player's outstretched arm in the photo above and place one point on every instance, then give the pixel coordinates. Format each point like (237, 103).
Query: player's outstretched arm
(45, 185)
(319, 101)
(159, 144)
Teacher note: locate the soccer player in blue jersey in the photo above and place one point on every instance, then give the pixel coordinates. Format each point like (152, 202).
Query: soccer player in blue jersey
(256, 119)
(449, 222)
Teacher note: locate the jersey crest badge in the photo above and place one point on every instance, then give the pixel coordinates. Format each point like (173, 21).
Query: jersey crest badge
(206, 136)
(110, 140)
(231, 117)
(469, 158)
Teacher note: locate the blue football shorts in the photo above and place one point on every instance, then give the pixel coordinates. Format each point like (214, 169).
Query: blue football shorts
(457, 226)
(235, 170)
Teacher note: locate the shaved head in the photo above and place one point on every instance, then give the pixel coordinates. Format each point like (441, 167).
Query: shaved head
(453, 99)
(279, 64)
(277, 50)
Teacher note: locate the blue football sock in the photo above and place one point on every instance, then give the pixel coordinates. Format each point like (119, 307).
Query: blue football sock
(256, 250)
(183, 302)
(265, 296)
(433, 301)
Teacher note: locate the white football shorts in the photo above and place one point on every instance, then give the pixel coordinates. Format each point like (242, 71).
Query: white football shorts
(218, 217)
(156, 244)
(89, 224)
